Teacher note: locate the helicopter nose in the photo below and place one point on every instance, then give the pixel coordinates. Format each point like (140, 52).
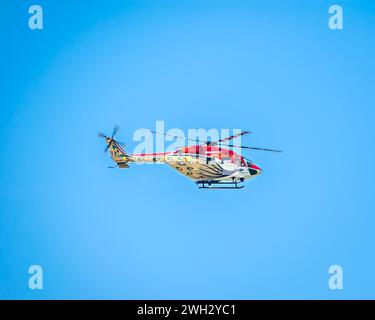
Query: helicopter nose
(254, 170)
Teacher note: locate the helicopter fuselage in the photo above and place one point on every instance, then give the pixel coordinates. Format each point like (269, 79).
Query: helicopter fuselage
(200, 163)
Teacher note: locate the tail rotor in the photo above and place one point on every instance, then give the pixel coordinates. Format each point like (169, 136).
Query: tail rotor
(110, 139)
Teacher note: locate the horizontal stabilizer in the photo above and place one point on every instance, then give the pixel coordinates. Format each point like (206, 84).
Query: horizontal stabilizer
(122, 165)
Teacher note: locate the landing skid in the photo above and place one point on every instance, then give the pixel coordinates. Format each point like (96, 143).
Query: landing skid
(216, 185)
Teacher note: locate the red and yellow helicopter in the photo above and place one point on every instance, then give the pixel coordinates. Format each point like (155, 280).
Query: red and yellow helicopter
(209, 164)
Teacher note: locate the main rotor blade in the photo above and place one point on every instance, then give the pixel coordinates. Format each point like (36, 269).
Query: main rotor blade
(231, 137)
(252, 148)
(264, 149)
(203, 142)
(173, 136)
(213, 143)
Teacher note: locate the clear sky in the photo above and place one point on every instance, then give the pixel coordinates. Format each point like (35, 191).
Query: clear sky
(272, 67)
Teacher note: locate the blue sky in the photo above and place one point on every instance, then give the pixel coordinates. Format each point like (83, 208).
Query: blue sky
(271, 67)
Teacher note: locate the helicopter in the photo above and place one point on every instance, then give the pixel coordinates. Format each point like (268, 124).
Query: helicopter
(210, 164)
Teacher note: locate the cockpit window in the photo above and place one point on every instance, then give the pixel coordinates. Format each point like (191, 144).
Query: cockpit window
(226, 160)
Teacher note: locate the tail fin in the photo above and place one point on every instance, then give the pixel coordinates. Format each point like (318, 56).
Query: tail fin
(117, 153)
